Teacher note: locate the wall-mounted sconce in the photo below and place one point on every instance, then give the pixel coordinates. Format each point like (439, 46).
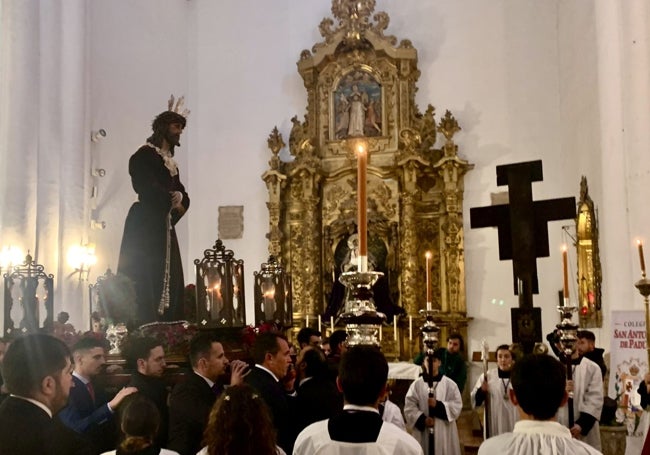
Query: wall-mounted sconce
(97, 225)
(97, 172)
(97, 135)
(10, 256)
(82, 258)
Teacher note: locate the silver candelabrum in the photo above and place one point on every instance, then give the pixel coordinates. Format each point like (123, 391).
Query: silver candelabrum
(429, 331)
(568, 330)
(568, 340)
(360, 316)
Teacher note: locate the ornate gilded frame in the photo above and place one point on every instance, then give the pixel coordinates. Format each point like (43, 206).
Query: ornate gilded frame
(588, 255)
(415, 190)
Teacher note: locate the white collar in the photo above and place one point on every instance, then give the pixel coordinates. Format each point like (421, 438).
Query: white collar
(302, 381)
(81, 378)
(210, 383)
(268, 371)
(549, 427)
(354, 407)
(35, 403)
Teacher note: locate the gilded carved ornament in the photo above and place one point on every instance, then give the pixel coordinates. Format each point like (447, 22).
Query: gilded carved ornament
(415, 190)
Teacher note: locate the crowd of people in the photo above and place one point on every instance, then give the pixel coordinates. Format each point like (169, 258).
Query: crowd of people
(282, 404)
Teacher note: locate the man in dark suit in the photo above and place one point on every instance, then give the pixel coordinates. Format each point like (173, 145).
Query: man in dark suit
(191, 401)
(38, 374)
(89, 411)
(148, 357)
(338, 346)
(318, 397)
(272, 359)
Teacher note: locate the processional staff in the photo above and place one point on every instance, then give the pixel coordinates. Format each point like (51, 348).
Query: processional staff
(430, 342)
(643, 285)
(488, 418)
(568, 331)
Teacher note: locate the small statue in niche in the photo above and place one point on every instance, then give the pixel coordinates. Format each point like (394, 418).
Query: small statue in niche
(345, 260)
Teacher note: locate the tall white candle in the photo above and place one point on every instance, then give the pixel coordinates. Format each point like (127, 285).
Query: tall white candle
(411, 328)
(380, 333)
(332, 323)
(319, 323)
(307, 321)
(395, 328)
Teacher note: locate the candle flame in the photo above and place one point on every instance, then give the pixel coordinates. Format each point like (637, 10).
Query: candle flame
(427, 255)
(361, 148)
(564, 248)
(638, 242)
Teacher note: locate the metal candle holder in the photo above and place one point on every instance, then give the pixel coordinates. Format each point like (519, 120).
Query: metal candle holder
(568, 340)
(568, 329)
(429, 331)
(360, 316)
(643, 285)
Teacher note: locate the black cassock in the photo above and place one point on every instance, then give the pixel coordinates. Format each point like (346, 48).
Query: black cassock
(144, 243)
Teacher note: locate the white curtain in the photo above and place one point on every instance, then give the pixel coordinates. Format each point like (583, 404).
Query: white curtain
(44, 138)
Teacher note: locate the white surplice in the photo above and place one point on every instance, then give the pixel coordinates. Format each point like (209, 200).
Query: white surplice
(587, 398)
(316, 440)
(536, 437)
(445, 431)
(503, 414)
(393, 414)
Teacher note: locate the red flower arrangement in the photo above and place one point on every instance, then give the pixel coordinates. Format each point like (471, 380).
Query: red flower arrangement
(250, 332)
(174, 336)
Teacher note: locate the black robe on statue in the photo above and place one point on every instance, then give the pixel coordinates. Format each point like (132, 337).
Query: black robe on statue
(144, 247)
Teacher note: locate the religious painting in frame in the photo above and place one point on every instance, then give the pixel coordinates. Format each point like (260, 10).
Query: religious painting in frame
(357, 106)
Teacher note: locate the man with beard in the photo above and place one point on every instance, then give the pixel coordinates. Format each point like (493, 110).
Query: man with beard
(149, 254)
(191, 401)
(147, 356)
(38, 374)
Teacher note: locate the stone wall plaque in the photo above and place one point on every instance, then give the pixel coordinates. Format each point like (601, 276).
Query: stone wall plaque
(231, 222)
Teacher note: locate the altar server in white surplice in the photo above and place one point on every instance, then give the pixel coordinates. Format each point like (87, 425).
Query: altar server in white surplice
(538, 390)
(439, 412)
(588, 399)
(358, 429)
(503, 414)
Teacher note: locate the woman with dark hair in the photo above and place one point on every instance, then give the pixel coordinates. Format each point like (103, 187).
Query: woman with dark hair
(240, 424)
(139, 423)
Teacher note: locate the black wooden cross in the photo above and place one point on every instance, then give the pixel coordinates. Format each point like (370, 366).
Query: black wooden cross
(523, 231)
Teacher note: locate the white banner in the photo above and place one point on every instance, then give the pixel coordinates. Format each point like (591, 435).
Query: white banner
(628, 365)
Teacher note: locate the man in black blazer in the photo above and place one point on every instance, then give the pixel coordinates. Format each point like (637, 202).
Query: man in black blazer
(191, 401)
(37, 370)
(318, 398)
(89, 411)
(147, 355)
(272, 359)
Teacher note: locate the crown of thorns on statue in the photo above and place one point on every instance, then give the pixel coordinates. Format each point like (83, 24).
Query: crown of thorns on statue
(175, 113)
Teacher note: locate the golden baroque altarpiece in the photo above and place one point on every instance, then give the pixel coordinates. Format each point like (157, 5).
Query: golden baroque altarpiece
(361, 84)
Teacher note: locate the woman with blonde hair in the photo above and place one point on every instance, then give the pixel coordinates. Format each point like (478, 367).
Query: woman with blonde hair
(139, 423)
(240, 424)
